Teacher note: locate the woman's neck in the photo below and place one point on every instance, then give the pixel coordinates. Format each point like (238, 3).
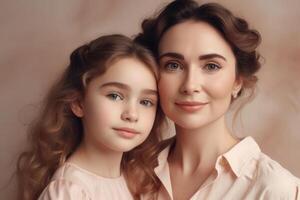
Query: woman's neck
(100, 160)
(200, 148)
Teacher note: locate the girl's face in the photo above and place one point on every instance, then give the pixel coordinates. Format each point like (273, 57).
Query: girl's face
(119, 107)
(197, 74)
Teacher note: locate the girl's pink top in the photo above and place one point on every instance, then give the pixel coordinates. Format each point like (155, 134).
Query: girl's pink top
(73, 182)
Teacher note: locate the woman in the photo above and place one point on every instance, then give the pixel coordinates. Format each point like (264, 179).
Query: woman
(208, 59)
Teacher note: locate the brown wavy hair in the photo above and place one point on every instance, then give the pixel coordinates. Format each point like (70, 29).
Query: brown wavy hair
(57, 132)
(242, 40)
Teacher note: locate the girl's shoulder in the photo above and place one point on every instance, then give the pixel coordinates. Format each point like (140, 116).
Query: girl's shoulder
(66, 183)
(72, 172)
(73, 182)
(63, 189)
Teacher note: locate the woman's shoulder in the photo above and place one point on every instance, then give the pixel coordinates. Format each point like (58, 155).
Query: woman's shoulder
(267, 178)
(271, 169)
(274, 180)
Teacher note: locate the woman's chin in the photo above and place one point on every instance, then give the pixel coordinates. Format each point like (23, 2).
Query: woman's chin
(189, 124)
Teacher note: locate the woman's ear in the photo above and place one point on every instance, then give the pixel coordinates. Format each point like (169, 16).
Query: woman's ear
(238, 84)
(77, 108)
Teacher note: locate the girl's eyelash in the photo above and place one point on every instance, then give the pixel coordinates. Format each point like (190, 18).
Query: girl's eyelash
(115, 96)
(147, 103)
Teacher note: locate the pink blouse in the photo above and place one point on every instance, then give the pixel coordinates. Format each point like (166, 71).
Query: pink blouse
(72, 182)
(244, 172)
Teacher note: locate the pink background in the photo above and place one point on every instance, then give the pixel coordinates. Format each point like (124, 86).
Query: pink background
(38, 36)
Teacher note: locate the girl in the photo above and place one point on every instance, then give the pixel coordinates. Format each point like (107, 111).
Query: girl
(91, 139)
(208, 60)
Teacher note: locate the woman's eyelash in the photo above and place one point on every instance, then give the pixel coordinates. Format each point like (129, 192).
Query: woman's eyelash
(212, 67)
(172, 66)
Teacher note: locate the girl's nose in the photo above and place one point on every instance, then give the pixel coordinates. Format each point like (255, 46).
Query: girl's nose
(130, 114)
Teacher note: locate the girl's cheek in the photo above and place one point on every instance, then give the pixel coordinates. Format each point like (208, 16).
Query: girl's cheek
(148, 119)
(100, 108)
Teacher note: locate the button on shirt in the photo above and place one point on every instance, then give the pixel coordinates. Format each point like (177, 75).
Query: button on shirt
(244, 172)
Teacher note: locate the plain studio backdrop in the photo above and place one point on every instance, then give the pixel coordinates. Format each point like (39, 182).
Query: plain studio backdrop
(37, 37)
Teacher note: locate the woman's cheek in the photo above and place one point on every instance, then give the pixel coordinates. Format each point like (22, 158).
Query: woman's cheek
(168, 85)
(221, 87)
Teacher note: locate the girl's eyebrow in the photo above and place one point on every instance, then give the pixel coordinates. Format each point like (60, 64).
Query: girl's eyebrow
(116, 84)
(126, 87)
(150, 92)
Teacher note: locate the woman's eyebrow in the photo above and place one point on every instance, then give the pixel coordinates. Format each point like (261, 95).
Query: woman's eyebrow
(210, 56)
(172, 55)
(201, 57)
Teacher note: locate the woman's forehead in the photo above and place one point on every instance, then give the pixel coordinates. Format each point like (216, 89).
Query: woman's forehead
(194, 38)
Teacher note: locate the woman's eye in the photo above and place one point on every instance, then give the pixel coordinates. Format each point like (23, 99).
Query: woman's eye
(172, 66)
(211, 67)
(114, 96)
(147, 103)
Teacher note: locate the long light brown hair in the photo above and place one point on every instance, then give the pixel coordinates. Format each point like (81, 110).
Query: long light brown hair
(57, 132)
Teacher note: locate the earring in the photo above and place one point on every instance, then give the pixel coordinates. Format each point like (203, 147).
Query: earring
(234, 94)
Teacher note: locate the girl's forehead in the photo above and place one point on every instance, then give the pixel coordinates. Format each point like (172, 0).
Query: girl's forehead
(130, 72)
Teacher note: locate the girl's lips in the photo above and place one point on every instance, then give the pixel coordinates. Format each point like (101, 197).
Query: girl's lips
(126, 132)
(190, 106)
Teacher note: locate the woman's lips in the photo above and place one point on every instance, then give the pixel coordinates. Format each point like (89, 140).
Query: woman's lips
(190, 106)
(126, 132)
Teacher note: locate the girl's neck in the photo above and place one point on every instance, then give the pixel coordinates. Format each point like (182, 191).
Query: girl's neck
(200, 148)
(100, 160)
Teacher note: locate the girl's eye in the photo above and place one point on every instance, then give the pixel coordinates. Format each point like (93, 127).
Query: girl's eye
(147, 103)
(211, 67)
(172, 66)
(114, 96)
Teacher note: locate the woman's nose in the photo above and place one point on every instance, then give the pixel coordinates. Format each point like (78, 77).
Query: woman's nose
(191, 83)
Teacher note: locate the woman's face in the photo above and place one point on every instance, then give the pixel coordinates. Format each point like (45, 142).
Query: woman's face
(197, 74)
